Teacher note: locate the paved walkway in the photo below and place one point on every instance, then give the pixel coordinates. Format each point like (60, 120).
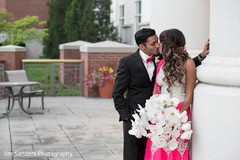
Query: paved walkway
(71, 128)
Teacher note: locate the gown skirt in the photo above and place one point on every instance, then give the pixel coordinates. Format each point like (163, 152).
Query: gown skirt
(180, 153)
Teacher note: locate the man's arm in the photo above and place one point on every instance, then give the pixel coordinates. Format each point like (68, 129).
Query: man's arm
(198, 59)
(119, 89)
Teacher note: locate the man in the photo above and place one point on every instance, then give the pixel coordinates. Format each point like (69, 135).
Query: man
(134, 84)
(135, 77)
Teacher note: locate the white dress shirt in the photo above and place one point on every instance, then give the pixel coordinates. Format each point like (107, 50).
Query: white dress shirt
(149, 66)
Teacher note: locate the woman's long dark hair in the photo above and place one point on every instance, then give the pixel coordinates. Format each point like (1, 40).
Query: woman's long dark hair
(174, 55)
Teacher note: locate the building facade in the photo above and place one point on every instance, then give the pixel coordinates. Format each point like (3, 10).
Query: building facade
(190, 16)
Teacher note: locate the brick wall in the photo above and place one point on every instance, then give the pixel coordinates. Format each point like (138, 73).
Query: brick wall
(2, 4)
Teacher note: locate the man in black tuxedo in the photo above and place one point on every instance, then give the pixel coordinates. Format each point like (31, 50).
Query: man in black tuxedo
(134, 84)
(135, 77)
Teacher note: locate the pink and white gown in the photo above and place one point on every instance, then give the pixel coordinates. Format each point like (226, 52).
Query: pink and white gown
(182, 151)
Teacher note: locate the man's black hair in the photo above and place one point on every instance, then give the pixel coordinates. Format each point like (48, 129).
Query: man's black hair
(143, 34)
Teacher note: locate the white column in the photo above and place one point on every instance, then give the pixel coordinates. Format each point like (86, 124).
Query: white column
(216, 108)
(189, 16)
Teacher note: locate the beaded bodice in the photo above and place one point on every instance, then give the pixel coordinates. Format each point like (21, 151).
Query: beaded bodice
(177, 90)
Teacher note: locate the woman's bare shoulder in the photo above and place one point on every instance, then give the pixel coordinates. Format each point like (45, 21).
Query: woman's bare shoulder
(189, 63)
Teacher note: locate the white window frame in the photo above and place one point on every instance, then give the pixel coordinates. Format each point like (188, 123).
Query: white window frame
(138, 11)
(121, 15)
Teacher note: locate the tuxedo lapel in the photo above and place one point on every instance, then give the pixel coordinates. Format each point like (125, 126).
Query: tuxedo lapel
(140, 65)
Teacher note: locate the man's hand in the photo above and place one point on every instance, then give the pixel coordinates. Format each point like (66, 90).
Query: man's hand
(205, 51)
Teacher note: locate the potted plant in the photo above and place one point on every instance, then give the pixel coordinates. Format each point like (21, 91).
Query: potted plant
(103, 80)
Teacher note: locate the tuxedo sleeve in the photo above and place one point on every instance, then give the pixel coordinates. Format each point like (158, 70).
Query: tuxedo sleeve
(120, 87)
(197, 61)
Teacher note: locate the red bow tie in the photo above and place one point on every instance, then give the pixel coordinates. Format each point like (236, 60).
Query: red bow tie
(150, 59)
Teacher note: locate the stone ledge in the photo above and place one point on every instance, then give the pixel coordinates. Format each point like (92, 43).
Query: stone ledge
(108, 47)
(73, 45)
(12, 48)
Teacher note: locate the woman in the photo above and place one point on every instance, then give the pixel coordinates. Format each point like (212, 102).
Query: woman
(176, 75)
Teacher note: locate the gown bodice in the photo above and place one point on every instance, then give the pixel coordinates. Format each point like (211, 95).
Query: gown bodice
(177, 90)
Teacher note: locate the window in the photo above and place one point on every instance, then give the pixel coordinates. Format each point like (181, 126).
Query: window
(138, 11)
(121, 15)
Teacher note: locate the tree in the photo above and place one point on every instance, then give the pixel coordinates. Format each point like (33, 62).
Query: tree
(105, 29)
(20, 31)
(79, 21)
(89, 21)
(71, 20)
(55, 25)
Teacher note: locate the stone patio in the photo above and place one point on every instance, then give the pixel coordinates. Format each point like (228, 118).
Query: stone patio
(71, 128)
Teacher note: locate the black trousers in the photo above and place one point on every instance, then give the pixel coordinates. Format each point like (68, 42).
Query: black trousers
(134, 148)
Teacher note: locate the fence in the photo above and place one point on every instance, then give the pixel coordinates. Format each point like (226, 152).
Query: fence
(59, 77)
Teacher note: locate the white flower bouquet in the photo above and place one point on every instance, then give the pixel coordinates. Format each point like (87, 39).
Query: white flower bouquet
(161, 122)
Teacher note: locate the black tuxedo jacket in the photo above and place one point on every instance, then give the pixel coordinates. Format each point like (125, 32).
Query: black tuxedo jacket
(132, 85)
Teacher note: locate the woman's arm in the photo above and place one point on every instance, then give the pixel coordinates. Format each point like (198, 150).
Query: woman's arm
(190, 70)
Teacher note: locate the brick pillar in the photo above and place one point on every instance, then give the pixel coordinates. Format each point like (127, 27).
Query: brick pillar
(69, 51)
(13, 56)
(101, 54)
